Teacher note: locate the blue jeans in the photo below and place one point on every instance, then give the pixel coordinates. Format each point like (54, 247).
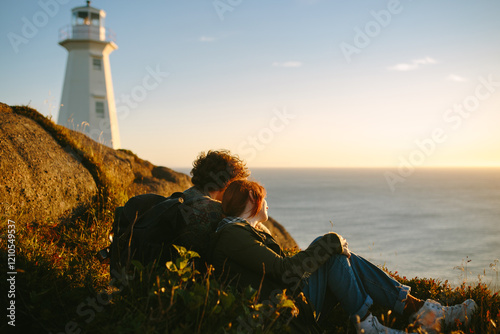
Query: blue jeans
(356, 283)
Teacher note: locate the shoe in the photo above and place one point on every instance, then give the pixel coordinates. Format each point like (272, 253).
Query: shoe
(371, 326)
(433, 315)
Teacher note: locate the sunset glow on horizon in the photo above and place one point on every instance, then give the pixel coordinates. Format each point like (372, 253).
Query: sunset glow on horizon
(307, 83)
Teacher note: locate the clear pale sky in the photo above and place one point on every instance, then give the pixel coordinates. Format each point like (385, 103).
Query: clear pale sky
(299, 83)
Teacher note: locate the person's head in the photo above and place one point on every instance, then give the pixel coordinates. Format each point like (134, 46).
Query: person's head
(246, 199)
(214, 170)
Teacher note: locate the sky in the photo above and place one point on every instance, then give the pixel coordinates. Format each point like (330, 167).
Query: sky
(298, 83)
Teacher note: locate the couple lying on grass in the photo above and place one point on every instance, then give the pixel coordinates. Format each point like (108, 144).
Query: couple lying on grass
(243, 252)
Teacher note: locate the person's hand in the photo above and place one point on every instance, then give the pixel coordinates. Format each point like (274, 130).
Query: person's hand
(345, 247)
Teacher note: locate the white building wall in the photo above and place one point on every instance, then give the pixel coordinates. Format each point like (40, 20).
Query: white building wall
(83, 86)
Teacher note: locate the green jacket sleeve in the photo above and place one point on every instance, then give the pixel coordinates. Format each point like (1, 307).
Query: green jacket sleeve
(242, 245)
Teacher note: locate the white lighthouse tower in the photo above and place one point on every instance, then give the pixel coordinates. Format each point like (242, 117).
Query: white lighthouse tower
(88, 101)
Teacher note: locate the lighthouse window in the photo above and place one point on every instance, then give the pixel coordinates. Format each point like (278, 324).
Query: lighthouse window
(82, 18)
(94, 18)
(99, 109)
(97, 64)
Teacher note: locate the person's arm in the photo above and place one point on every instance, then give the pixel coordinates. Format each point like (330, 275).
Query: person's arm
(241, 245)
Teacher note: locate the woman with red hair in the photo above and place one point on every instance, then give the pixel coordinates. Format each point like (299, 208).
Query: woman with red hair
(245, 253)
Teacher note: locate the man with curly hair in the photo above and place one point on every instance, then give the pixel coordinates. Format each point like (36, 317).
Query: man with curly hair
(212, 172)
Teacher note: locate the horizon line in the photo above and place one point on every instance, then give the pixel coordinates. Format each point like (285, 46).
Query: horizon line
(367, 167)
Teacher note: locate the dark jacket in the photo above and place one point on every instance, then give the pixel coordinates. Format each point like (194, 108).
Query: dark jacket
(242, 254)
(202, 214)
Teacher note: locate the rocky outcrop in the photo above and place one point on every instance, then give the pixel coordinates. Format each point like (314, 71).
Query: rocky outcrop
(52, 174)
(41, 180)
(281, 235)
(127, 171)
(45, 177)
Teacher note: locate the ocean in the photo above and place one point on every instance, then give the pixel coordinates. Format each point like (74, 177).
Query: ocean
(439, 223)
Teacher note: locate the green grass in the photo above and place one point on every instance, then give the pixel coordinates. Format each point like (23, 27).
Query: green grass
(61, 285)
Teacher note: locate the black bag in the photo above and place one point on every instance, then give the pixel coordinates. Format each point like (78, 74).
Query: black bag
(145, 229)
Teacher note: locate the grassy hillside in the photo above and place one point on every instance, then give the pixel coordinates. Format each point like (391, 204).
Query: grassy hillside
(59, 286)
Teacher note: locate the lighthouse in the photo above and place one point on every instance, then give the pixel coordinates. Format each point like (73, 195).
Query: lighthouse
(88, 102)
